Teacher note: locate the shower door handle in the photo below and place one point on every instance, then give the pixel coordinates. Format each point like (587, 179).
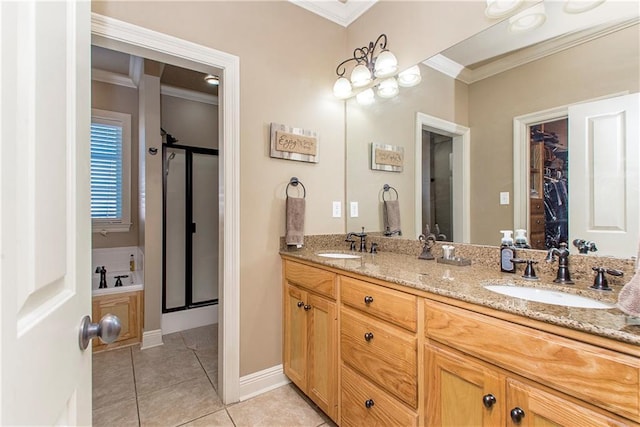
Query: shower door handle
(193, 227)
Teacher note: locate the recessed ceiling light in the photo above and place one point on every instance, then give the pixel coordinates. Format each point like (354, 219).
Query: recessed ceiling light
(528, 19)
(579, 6)
(212, 80)
(501, 8)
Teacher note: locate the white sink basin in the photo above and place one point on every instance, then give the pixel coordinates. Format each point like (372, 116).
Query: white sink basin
(338, 255)
(547, 296)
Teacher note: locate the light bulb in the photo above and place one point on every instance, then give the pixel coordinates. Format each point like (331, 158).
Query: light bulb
(388, 88)
(360, 76)
(342, 88)
(366, 97)
(410, 77)
(386, 64)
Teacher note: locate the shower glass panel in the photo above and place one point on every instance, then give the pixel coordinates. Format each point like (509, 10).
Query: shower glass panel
(175, 217)
(205, 237)
(190, 227)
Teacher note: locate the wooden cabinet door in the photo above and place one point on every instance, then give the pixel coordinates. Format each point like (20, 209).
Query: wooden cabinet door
(295, 336)
(127, 306)
(528, 405)
(456, 389)
(322, 354)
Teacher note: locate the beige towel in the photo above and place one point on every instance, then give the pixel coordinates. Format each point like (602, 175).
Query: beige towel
(629, 296)
(391, 217)
(295, 221)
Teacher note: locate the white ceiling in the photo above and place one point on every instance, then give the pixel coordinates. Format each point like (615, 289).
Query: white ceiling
(342, 12)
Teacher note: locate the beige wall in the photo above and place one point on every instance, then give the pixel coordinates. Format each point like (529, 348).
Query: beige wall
(123, 100)
(598, 68)
(192, 123)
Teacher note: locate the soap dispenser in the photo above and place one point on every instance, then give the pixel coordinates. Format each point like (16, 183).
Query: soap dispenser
(521, 239)
(507, 252)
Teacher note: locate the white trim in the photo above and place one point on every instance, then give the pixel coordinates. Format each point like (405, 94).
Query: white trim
(112, 78)
(342, 13)
(188, 319)
(151, 339)
(136, 68)
(262, 381)
(190, 95)
(112, 32)
(449, 67)
(461, 173)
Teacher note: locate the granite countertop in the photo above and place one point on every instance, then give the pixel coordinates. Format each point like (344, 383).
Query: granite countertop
(467, 283)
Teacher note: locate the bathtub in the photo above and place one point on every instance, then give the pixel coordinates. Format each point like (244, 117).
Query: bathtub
(131, 283)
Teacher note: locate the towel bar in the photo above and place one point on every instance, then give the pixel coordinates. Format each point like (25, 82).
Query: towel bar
(386, 188)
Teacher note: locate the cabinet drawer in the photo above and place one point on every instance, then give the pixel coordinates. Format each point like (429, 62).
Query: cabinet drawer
(314, 279)
(383, 410)
(388, 356)
(536, 206)
(388, 304)
(602, 377)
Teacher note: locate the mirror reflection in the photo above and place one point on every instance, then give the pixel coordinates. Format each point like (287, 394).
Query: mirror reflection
(490, 177)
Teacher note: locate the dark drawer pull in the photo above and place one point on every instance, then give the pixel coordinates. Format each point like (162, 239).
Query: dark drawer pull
(368, 336)
(489, 400)
(300, 303)
(369, 403)
(517, 414)
(307, 307)
(368, 299)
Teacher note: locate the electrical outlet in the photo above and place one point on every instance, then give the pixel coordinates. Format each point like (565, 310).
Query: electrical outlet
(337, 209)
(354, 209)
(504, 197)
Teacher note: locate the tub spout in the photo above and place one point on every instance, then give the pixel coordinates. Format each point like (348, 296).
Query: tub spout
(103, 277)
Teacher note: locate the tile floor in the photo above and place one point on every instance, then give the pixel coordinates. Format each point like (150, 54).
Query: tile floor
(174, 385)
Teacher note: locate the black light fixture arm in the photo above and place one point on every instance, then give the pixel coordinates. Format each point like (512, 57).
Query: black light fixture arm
(364, 55)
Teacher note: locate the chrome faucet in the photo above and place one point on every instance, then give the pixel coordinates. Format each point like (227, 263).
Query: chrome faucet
(103, 276)
(562, 252)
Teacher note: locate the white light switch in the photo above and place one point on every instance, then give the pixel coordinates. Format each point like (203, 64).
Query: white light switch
(354, 209)
(504, 197)
(337, 209)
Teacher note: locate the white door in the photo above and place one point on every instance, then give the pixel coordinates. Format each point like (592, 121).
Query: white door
(44, 212)
(604, 183)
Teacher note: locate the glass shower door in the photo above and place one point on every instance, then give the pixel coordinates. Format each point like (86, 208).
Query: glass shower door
(175, 218)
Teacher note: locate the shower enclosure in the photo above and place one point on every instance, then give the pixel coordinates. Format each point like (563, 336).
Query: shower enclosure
(190, 224)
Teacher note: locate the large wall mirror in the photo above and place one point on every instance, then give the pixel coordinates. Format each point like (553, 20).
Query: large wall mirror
(464, 125)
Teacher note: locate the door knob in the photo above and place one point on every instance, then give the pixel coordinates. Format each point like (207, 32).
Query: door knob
(107, 330)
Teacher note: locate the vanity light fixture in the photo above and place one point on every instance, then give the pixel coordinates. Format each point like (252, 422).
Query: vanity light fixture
(212, 80)
(528, 19)
(501, 8)
(374, 66)
(580, 6)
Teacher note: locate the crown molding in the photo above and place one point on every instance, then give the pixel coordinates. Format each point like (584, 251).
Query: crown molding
(187, 94)
(342, 13)
(524, 56)
(112, 78)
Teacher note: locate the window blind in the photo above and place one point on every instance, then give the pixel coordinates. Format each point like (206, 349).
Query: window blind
(106, 171)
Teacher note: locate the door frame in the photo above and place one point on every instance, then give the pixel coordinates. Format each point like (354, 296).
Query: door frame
(461, 136)
(115, 34)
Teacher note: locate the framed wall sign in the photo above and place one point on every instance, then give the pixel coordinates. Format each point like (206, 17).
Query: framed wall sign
(387, 157)
(294, 143)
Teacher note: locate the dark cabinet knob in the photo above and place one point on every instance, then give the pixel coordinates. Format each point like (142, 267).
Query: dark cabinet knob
(307, 307)
(368, 336)
(369, 403)
(368, 299)
(300, 304)
(517, 414)
(488, 400)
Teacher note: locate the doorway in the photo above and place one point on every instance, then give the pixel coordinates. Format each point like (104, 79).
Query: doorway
(437, 184)
(129, 38)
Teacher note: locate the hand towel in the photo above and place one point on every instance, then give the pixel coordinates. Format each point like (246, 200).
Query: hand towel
(295, 221)
(391, 217)
(629, 296)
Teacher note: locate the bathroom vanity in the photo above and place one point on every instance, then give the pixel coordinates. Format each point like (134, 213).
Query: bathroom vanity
(387, 339)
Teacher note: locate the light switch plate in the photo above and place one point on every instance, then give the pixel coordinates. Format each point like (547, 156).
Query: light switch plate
(337, 209)
(354, 209)
(504, 197)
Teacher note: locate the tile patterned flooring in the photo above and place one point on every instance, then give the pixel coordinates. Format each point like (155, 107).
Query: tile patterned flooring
(174, 385)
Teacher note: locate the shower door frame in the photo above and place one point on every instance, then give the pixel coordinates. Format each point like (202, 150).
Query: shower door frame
(188, 226)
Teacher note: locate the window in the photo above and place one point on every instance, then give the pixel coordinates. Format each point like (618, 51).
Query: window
(110, 171)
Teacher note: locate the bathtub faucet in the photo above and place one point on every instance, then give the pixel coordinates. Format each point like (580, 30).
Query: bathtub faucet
(103, 277)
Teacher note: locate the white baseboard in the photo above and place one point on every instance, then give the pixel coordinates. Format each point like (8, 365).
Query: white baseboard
(151, 339)
(188, 319)
(261, 382)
